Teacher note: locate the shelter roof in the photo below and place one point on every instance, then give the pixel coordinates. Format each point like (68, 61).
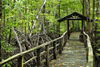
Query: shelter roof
(71, 15)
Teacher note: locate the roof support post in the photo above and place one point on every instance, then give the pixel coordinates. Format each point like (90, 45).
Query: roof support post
(59, 29)
(82, 25)
(67, 28)
(73, 23)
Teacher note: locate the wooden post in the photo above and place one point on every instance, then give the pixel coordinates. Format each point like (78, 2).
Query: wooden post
(78, 26)
(66, 36)
(60, 46)
(59, 29)
(73, 23)
(82, 25)
(47, 55)
(38, 58)
(62, 43)
(54, 45)
(68, 28)
(64, 40)
(20, 62)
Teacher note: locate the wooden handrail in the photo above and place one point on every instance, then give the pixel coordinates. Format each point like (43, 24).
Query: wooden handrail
(19, 56)
(89, 50)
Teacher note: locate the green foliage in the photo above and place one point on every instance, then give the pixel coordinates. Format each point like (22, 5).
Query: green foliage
(7, 64)
(98, 49)
(98, 54)
(7, 47)
(21, 13)
(95, 45)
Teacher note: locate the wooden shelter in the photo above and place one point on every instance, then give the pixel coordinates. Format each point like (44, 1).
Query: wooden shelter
(74, 16)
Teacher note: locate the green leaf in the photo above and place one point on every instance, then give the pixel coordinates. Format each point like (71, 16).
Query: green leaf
(98, 49)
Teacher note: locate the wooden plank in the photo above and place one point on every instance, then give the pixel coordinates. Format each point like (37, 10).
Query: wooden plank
(51, 55)
(43, 61)
(90, 51)
(51, 48)
(30, 60)
(42, 52)
(57, 45)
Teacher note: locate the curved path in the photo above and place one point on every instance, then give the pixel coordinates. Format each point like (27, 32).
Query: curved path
(73, 55)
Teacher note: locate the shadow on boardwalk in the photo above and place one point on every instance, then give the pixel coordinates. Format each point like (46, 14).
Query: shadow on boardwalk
(73, 55)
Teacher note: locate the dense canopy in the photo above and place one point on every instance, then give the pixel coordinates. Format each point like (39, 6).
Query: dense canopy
(25, 24)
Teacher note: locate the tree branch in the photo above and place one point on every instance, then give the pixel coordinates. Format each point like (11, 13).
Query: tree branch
(17, 40)
(23, 37)
(37, 18)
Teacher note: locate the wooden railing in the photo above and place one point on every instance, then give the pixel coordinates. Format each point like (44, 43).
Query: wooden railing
(88, 46)
(58, 42)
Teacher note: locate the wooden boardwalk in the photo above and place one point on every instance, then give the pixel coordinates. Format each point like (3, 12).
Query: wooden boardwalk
(73, 55)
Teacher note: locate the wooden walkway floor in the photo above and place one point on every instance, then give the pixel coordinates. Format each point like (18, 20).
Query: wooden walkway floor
(73, 55)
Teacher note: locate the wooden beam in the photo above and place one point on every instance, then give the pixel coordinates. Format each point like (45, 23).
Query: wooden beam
(54, 50)
(89, 51)
(82, 25)
(60, 46)
(73, 23)
(75, 19)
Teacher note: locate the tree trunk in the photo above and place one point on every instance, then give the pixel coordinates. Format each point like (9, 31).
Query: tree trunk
(83, 7)
(44, 20)
(93, 14)
(59, 17)
(0, 26)
(97, 13)
(36, 18)
(89, 19)
(86, 13)
(24, 17)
